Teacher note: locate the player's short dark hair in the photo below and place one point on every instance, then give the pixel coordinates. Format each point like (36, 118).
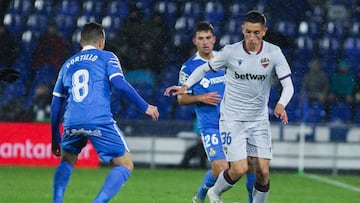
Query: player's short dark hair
(204, 26)
(254, 16)
(92, 32)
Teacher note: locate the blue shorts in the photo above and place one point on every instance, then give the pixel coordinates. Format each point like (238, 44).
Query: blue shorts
(108, 140)
(212, 143)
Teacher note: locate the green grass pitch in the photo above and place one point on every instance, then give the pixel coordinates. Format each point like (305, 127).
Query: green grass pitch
(30, 184)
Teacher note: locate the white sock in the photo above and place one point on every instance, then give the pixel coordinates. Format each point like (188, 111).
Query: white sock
(221, 185)
(259, 197)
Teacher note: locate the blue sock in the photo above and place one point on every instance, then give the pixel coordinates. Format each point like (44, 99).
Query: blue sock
(208, 181)
(250, 180)
(61, 179)
(113, 183)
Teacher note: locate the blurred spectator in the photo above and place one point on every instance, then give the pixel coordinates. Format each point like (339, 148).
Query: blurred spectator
(51, 49)
(141, 37)
(8, 51)
(40, 109)
(129, 40)
(158, 41)
(142, 74)
(315, 83)
(341, 84)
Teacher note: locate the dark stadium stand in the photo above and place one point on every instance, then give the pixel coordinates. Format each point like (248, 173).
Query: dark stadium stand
(319, 30)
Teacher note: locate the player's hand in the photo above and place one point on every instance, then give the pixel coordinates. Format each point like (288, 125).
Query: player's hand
(177, 90)
(55, 143)
(9, 75)
(55, 148)
(153, 112)
(211, 98)
(280, 112)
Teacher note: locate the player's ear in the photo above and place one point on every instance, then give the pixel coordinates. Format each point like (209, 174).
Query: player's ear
(194, 40)
(264, 31)
(214, 38)
(81, 43)
(102, 43)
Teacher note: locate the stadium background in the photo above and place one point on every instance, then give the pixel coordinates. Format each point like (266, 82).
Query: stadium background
(327, 30)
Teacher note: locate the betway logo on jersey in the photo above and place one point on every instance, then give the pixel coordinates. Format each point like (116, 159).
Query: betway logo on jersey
(249, 76)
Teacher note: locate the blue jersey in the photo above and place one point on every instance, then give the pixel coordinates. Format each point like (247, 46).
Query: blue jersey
(207, 115)
(84, 80)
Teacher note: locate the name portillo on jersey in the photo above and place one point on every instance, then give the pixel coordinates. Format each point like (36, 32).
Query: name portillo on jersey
(249, 76)
(83, 57)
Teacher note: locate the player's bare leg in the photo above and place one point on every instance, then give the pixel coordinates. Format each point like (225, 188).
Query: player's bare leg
(217, 166)
(262, 184)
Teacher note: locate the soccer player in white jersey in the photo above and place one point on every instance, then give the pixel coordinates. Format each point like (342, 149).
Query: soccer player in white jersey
(83, 87)
(244, 123)
(206, 95)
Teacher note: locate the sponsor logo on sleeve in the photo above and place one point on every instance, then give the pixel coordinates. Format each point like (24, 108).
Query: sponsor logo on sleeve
(183, 77)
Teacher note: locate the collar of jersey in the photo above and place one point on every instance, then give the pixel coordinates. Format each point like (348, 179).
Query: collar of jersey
(197, 55)
(247, 51)
(87, 47)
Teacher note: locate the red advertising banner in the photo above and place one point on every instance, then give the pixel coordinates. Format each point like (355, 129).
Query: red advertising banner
(29, 144)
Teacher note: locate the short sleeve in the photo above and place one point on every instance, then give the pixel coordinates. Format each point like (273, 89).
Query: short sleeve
(282, 67)
(59, 90)
(113, 66)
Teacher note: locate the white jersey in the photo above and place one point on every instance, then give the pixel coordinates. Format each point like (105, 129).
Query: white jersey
(248, 79)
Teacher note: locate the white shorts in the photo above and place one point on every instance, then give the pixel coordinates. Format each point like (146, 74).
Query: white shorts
(246, 138)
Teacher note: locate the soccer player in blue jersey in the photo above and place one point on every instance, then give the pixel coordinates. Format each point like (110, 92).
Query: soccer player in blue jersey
(206, 95)
(83, 88)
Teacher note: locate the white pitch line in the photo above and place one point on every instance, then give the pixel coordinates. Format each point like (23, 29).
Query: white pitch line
(333, 182)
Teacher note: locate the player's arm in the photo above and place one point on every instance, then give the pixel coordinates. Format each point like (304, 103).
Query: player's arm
(130, 93)
(286, 95)
(55, 118)
(211, 98)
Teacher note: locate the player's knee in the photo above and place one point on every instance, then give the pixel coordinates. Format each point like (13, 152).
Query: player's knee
(68, 157)
(124, 160)
(217, 166)
(128, 164)
(238, 170)
(262, 176)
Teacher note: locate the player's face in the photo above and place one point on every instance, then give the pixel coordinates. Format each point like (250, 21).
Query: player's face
(204, 42)
(253, 34)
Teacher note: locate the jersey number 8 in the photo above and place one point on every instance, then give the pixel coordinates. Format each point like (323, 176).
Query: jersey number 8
(80, 85)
